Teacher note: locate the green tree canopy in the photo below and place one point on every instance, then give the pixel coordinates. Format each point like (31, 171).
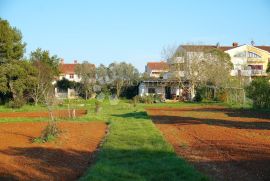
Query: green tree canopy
(11, 45)
(16, 78)
(44, 56)
(122, 74)
(47, 68)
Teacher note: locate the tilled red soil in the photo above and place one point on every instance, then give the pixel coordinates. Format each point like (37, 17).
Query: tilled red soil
(57, 113)
(224, 144)
(66, 159)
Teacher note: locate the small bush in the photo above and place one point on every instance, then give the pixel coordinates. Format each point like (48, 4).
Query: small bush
(135, 100)
(97, 107)
(17, 103)
(258, 91)
(50, 133)
(147, 99)
(198, 97)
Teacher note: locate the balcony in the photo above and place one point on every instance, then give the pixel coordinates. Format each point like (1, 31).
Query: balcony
(255, 72)
(248, 73)
(255, 60)
(236, 72)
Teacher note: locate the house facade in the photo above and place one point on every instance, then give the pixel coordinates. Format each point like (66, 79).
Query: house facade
(156, 69)
(67, 71)
(159, 81)
(247, 60)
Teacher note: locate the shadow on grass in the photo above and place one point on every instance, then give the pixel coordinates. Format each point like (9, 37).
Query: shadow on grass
(38, 163)
(135, 115)
(129, 164)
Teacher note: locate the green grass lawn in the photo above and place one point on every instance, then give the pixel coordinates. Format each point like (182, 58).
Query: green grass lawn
(134, 149)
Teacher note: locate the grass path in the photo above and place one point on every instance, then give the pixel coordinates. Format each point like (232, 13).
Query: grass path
(136, 150)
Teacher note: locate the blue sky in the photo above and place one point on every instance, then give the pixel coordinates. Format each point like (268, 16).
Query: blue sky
(134, 31)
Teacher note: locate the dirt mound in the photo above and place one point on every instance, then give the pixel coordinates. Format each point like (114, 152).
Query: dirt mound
(223, 143)
(67, 159)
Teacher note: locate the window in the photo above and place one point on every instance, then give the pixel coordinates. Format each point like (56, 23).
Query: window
(256, 67)
(71, 76)
(151, 90)
(253, 55)
(240, 55)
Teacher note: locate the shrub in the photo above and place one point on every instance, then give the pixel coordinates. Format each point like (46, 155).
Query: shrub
(97, 106)
(147, 99)
(135, 100)
(198, 97)
(50, 133)
(16, 103)
(222, 95)
(258, 91)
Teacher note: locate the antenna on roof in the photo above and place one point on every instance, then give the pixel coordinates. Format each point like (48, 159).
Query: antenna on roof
(252, 43)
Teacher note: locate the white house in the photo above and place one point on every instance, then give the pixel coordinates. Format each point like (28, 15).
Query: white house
(248, 60)
(156, 69)
(67, 71)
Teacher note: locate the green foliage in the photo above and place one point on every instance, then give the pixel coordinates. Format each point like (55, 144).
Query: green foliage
(87, 72)
(122, 75)
(47, 69)
(50, 133)
(11, 45)
(222, 56)
(268, 67)
(135, 100)
(259, 91)
(16, 103)
(129, 91)
(97, 107)
(44, 58)
(65, 84)
(198, 97)
(17, 77)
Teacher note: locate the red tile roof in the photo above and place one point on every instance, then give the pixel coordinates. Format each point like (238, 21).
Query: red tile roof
(158, 65)
(209, 47)
(266, 48)
(204, 47)
(67, 68)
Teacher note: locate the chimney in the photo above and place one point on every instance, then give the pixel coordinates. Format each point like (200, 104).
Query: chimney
(75, 61)
(235, 44)
(62, 61)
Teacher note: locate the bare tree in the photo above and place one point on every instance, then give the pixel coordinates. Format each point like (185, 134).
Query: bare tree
(168, 51)
(199, 65)
(87, 73)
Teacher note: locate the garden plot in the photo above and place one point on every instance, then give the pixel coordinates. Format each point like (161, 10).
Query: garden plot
(65, 159)
(225, 144)
(56, 113)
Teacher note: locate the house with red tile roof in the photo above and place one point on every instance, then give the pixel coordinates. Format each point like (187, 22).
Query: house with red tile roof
(67, 71)
(156, 69)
